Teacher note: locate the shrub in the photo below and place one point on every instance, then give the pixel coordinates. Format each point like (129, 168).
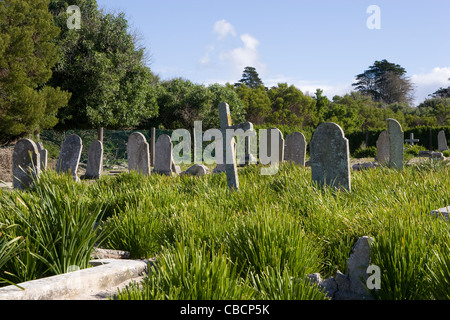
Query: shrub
(369, 152)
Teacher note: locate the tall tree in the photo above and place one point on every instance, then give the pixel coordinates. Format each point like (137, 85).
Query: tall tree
(104, 67)
(385, 82)
(27, 54)
(250, 78)
(442, 93)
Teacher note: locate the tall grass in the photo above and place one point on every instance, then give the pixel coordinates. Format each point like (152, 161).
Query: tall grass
(259, 242)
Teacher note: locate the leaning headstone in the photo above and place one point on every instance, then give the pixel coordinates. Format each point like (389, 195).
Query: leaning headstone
(138, 153)
(295, 150)
(25, 163)
(69, 156)
(442, 141)
(95, 160)
(43, 153)
(396, 139)
(163, 155)
(383, 148)
(330, 157)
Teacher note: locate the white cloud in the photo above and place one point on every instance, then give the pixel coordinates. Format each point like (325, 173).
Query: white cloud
(429, 82)
(241, 57)
(224, 28)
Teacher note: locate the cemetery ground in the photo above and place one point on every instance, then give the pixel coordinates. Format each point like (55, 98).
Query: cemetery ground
(258, 243)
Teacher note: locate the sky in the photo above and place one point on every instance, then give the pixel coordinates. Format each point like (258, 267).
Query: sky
(310, 44)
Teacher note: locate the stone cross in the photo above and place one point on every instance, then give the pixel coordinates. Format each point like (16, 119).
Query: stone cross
(295, 148)
(330, 156)
(25, 163)
(396, 138)
(95, 160)
(383, 148)
(442, 141)
(138, 151)
(163, 155)
(411, 139)
(228, 144)
(69, 156)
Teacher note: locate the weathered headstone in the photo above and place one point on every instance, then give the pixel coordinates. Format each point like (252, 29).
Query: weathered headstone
(43, 153)
(138, 153)
(163, 155)
(396, 138)
(197, 170)
(295, 150)
(330, 157)
(442, 141)
(25, 163)
(69, 156)
(228, 147)
(95, 160)
(383, 148)
(152, 146)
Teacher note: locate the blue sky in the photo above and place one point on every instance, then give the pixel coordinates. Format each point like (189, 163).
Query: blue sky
(310, 44)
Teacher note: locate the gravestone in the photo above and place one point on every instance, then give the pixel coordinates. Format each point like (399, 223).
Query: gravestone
(163, 155)
(95, 160)
(43, 153)
(228, 144)
(69, 156)
(197, 170)
(442, 141)
(411, 139)
(152, 146)
(330, 157)
(396, 138)
(295, 150)
(25, 163)
(383, 148)
(138, 153)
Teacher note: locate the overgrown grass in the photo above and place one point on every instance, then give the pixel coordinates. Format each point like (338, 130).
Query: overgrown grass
(257, 243)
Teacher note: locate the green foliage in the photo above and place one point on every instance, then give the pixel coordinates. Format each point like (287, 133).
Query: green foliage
(27, 55)
(369, 152)
(104, 67)
(250, 78)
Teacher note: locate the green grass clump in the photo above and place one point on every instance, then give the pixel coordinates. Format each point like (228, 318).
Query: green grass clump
(258, 243)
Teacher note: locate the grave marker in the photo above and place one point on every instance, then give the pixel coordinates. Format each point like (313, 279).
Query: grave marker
(330, 157)
(138, 153)
(43, 154)
(411, 139)
(163, 156)
(383, 148)
(396, 138)
(25, 163)
(442, 141)
(295, 148)
(95, 160)
(69, 156)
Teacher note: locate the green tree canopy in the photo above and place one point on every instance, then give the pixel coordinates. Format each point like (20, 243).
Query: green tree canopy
(104, 67)
(385, 82)
(256, 103)
(250, 78)
(27, 54)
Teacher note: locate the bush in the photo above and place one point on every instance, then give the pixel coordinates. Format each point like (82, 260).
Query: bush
(369, 152)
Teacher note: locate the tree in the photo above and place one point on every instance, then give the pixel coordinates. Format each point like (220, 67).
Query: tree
(104, 67)
(441, 93)
(27, 54)
(256, 103)
(385, 82)
(250, 78)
